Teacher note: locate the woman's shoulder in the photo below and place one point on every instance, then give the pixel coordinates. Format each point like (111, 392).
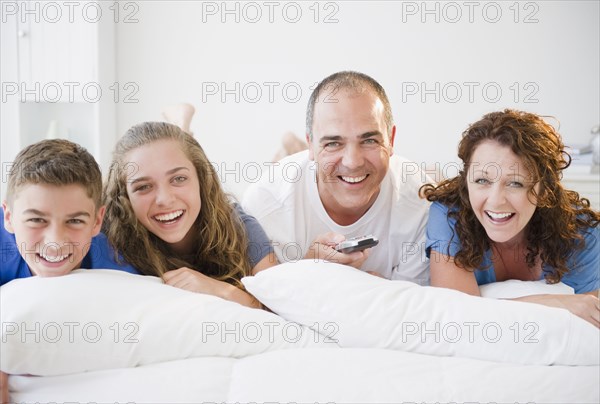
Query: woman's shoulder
(442, 208)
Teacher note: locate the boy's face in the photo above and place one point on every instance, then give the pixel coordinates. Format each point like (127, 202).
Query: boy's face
(53, 226)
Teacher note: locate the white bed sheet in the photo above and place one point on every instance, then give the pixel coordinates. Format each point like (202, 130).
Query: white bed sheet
(384, 376)
(183, 381)
(320, 376)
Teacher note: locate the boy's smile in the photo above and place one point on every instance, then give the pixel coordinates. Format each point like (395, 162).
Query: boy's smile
(53, 226)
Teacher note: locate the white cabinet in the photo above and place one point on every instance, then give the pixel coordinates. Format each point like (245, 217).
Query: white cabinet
(57, 53)
(57, 70)
(587, 185)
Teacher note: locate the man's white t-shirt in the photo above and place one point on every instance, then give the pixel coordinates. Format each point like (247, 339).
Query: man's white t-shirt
(286, 202)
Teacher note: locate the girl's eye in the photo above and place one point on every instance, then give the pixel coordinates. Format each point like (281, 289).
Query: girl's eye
(143, 187)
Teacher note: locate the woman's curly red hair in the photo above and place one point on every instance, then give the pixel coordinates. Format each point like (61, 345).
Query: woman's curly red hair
(554, 231)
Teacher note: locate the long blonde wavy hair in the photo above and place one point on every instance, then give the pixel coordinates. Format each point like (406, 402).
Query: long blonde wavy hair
(221, 240)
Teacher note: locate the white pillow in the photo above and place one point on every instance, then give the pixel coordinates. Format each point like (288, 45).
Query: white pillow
(368, 311)
(99, 319)
(514, 288)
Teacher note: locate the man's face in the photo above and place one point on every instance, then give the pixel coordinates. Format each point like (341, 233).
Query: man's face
(352, 148)
(53, 226)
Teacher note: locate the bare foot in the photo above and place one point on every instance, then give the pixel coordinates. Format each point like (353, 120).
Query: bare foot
(180, 115)
(291, 144)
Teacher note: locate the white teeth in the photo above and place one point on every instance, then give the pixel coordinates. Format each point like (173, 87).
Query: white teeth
(498, 215)
(354, 180)
(58, 258)
(169, 216)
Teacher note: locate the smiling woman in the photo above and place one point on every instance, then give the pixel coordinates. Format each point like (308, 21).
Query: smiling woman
(507, 216)
(168, 215)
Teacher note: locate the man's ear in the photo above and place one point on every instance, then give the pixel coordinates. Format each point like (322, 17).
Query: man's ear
(392, 138)
(7, 217)
(98, 220)
(311, 154)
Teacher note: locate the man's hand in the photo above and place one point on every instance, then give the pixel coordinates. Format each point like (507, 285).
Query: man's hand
(323, 248)
(4, 399)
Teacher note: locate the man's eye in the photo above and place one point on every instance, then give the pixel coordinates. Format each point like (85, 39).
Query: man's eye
(76, 221)
(370, 141)
(36, 220)
(332, 145)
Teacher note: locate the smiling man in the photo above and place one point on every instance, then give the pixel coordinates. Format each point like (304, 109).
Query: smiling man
(349, 183)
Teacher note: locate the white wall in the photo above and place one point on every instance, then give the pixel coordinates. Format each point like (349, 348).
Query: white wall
(176, 50)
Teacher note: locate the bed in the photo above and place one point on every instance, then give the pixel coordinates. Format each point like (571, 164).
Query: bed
(335, 335)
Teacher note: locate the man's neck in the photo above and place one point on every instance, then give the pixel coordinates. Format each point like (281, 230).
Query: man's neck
(345, 216)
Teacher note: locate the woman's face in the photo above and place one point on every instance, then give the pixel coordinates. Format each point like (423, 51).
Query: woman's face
(499, 185)
(164, 191)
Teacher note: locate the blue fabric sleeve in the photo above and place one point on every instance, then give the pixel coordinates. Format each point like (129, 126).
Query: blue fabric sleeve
(440, 230)
(12, 265)
(102, 256)
(584, 265)
(259, 245)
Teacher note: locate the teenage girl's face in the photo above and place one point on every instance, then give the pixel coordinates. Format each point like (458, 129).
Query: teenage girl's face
(500, 186)
(164, 191)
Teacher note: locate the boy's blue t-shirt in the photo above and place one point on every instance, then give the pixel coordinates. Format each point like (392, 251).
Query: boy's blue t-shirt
(13, 266)
(584, 265)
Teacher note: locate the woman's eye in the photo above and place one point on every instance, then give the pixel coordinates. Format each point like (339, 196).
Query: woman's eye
(481, 181)
(179, 179)
(515, 184)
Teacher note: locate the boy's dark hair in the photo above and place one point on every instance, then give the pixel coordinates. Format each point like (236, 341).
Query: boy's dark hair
(55, 162)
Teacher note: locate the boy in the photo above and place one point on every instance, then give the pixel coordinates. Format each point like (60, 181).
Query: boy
(51, 219)
(53, 210)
